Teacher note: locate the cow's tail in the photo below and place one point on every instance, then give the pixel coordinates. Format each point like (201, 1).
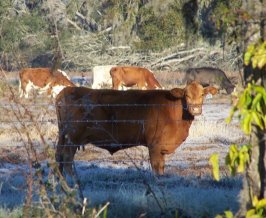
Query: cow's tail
(59, 154)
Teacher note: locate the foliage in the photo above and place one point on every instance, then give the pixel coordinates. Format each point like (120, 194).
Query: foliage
(237, 158)
(251, 108)
(15, 28)
(226, 16)
(258, 210)
(214, 161)
(256, 54)
(227, 214)
(160, 31)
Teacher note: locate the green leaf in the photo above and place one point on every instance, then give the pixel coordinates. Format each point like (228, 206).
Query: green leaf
(261, 204)
(254, 62)
(256, 100)
(214, 161)
(259, 89)
(247, 58)
(232, 112)
(242, 101)
(229, 214)
(262, 61)
(242, 163)
(255, 201)
(257, 120)
(246, 126)
(250, 213)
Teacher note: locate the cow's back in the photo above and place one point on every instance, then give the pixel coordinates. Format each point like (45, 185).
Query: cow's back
(133, 75)
(209, 76)
(114, 117)
(38, 76)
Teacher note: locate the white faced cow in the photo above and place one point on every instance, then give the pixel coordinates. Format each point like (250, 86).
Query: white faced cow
(101, 76)
(43, 80)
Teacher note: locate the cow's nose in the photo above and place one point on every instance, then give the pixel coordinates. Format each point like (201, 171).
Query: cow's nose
(195, 110)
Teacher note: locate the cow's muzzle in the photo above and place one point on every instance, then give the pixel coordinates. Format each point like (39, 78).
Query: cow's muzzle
(195, 109)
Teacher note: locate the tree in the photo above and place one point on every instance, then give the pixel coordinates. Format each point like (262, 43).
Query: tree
(251, 106)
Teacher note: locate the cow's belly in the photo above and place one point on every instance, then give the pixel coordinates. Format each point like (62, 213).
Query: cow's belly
(30, 85)
(111, 137)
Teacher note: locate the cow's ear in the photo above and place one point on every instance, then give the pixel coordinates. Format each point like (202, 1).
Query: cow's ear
(177, 92)
(210, 89)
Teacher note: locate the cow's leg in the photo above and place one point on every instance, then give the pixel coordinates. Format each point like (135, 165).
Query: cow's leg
(142, 85)
(68, 159)
(65, 153)
(50, 92)
(116, 83)
(65, 157)
(28, 88)
(23, 88)
(59, 156)
(157, 161)
(20, 89)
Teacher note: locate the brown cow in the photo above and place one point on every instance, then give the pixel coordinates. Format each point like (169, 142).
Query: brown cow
(114, 120)
(43, 80)
(130, 76)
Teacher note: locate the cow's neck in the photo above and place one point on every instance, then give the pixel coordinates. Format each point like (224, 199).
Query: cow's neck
(186, 115)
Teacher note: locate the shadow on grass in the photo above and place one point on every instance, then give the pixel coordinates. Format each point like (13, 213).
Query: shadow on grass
(134, 193)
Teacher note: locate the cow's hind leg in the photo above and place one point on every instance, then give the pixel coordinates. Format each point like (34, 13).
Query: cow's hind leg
(157, 161)
(68, 159)
(22, 88)
(65, 156)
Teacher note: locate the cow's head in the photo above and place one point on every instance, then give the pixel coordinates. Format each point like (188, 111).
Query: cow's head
(193, 95)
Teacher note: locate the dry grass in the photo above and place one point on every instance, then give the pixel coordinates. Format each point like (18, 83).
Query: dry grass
(122, 178)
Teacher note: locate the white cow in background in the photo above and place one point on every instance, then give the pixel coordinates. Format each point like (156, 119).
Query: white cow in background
(101, 76)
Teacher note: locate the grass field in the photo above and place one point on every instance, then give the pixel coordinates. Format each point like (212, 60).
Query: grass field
(124, 179)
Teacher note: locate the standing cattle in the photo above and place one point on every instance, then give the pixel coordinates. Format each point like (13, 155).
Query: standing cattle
(114, 120)
(101, 76)
(209, 76)
(43, 80)
(130, 76)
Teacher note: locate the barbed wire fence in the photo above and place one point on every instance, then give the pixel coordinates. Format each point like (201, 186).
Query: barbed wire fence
(22, 114)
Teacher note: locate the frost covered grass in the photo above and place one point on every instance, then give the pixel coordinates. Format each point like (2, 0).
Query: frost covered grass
(125, 179)
(134, 192)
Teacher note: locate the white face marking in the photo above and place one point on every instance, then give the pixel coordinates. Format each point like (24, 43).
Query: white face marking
(101, 76)
(64, 73)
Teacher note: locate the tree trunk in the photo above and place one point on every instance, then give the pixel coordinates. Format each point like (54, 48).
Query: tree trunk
(254, 180)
